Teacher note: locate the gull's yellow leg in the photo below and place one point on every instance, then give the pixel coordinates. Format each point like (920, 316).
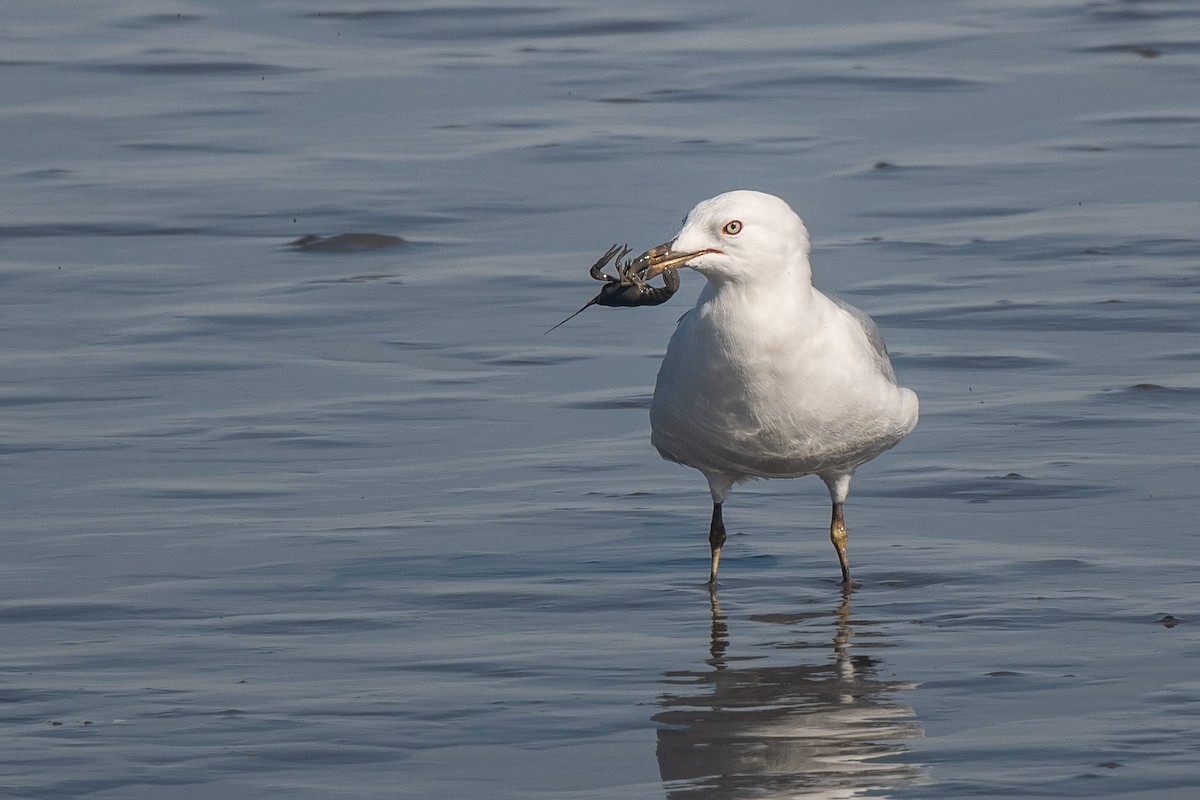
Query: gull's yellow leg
(838, 535)
(716, 538)
(839, 488)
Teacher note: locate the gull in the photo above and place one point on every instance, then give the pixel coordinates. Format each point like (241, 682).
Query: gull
(767, 377)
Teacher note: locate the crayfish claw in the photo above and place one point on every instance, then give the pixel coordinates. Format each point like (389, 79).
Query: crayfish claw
(597, 270)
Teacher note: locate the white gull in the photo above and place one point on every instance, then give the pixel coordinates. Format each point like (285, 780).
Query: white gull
(767, 377)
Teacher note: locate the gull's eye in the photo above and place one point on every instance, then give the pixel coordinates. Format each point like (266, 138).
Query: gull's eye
(732, 228)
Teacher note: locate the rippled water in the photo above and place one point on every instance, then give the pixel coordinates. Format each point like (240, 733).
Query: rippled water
(333, 518)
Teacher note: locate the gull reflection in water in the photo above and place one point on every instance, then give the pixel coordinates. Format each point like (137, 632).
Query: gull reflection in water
(814, 730)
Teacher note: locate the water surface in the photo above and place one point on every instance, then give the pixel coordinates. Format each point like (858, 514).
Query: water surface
(340, 521)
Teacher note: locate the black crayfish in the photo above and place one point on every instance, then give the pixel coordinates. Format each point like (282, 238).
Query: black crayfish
(627, 288)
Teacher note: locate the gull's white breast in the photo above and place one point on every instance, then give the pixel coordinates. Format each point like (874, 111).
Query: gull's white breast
(759, 382)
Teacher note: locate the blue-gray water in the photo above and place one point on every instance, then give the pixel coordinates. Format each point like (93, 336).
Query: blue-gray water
(280, 523)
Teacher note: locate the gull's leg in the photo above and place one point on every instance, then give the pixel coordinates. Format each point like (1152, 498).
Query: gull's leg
(718, 486)
(839, 488)
(716, 538)
(838, 535)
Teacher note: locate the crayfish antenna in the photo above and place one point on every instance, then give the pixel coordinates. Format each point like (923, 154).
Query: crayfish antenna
(591, 302)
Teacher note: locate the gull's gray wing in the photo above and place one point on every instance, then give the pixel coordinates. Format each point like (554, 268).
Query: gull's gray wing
(874, 337)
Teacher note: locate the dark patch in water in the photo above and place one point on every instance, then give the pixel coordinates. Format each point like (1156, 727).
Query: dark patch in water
(490, 22)
(161, 20)
(894, 83)
(1154, 394)
(34, 399)
(384, 277)
(429, 12)
(1163, 317)
(981, 361)
(1126, 11)
(631, 401)
(532, 359)
(187, 147)
(64, 611)
(345, 242)
(666, 95)
(1153, 119)
(622, 100)
(198, 493)
(196, 68)
(1012, 486)
(1143, 50)
(790, 618)
(50, 172)
(50, 229)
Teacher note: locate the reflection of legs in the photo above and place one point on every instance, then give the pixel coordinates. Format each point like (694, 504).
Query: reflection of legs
(841, 639)
(716, 538)
(720, 631)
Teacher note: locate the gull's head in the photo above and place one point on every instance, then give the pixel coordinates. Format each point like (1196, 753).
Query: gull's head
(737, 236)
